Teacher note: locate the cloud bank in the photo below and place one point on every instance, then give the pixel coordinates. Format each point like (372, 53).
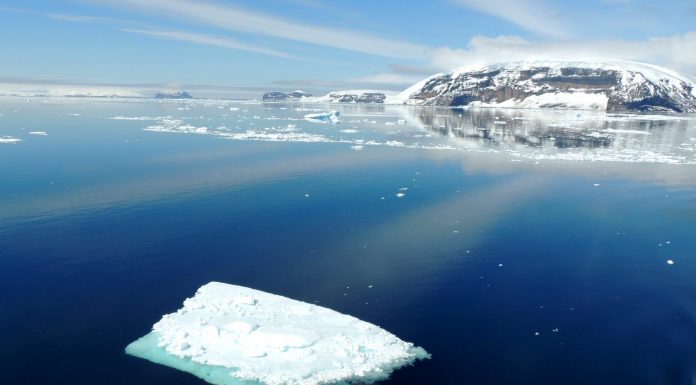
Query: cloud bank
(677, 52)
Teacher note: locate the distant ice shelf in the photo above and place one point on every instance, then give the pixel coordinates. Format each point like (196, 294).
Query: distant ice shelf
(232, 335)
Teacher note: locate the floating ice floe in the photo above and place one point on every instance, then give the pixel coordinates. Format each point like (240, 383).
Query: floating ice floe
(233, 335)
(327, 117)
(140, 118)
(9, 140)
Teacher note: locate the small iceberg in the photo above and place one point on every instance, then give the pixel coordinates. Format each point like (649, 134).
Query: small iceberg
(324, 117)
(234, 335)
(9, 140)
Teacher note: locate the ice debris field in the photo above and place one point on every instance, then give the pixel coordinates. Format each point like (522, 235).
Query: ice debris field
(229, 334)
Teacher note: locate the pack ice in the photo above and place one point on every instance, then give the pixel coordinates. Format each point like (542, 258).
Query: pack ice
(231, 335)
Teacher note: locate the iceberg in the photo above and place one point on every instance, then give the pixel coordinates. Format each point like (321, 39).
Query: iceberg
(331, 116)
(234, 335)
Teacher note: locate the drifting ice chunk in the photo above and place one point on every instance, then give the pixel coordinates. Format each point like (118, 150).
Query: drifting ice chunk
(331, 116)
(233, 335)
(9, 140)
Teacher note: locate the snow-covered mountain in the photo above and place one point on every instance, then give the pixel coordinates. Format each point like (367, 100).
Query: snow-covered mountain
(354, 96)
(276, 96)
(608, 86)
(173, 95)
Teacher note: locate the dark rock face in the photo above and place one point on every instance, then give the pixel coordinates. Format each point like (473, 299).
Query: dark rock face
(365, 97)
(625, 90)
(276, 96)
(173, 95)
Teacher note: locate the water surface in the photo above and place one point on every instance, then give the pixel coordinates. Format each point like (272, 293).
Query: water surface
(517, 247)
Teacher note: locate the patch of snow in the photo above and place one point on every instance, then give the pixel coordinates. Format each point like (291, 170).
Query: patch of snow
(558, 100)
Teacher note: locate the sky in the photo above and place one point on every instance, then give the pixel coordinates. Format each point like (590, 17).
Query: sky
(243, 48)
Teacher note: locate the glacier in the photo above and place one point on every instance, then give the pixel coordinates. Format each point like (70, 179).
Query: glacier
(234, 335)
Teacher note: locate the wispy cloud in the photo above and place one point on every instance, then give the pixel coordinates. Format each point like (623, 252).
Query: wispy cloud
(215, 41)
(388, 78)
(73, 18)
(136, 27)
(533, 15)
(253, 22)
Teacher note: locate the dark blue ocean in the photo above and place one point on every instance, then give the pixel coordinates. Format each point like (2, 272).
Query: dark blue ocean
(516, 247)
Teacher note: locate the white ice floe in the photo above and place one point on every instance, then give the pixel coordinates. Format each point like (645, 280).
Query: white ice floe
(276, 136)
(9, 140)
(140, 118)
(226, 334)
(619, 131)
(38, 133)
(324, 117)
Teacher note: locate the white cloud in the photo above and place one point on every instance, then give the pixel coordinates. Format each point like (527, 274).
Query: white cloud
(241, 20)
(388, 78)
(533, 15)
(677, 52)
(216, 41)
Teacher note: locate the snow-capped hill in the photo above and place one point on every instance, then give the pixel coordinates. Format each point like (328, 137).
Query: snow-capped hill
(608, 86)
(173, 95)
(356, 96)
(277, 96)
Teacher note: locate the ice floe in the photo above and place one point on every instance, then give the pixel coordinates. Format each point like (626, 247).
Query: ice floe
(226, 334)
(9, 140)
(324, 117)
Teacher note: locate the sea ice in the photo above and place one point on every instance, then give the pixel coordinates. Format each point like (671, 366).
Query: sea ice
(9, 140)
(232, 335)
(331, 116)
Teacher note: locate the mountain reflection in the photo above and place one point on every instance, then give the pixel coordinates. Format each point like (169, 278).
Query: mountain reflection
(555, 129)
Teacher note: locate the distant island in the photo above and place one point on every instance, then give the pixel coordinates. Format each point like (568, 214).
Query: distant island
(173, 95)
(600, 86)
(277, 96)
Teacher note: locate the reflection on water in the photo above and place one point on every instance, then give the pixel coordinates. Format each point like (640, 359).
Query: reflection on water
(568, 135)
(520, 134)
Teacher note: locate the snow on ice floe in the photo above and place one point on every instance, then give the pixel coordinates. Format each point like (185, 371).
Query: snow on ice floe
(139, 118)
(228, 334)
(9, 140)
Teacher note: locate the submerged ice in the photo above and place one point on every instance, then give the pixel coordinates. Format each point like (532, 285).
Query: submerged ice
(229, 334)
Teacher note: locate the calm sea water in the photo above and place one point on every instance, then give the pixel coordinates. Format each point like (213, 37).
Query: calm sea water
(516, 247)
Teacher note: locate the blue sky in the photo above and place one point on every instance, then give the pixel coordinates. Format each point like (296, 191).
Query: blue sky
(243, 47)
